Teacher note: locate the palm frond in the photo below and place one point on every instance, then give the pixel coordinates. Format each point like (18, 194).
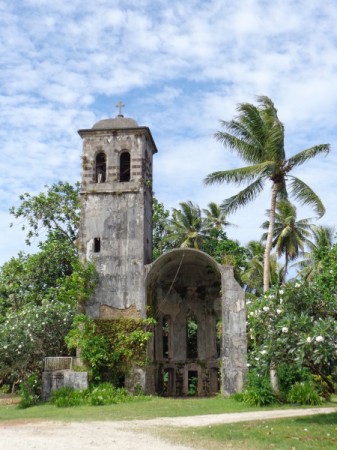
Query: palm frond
(240, 175)
(306, 196)
(248, 194)
(303, 156)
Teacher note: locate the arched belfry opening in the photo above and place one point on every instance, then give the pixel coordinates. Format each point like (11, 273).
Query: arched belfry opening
(184, 295)
(100, 168)
(125, 167)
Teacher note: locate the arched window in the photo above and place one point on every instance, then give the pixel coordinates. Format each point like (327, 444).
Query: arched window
(100, 168)
(124, 174)
(192, 338)
(166, 336)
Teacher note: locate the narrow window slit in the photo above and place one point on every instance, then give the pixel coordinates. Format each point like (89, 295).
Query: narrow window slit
(97, 245)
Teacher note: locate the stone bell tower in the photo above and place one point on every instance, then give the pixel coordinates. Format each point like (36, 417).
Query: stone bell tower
(116, 213)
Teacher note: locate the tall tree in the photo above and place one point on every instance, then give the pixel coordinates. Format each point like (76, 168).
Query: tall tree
(56, 211)
(323, 239)
(41, 292)
(186, 227)
(215, 217)
(290, 235)
(252, 274)
(160, 217)
(257, 136)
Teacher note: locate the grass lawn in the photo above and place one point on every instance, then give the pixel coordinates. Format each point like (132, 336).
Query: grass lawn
(302, 433)
(149, 408)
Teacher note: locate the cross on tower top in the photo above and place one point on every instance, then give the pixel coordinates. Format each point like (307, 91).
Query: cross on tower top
(120, 105)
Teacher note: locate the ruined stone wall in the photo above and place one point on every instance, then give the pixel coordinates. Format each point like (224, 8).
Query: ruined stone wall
(234, 340)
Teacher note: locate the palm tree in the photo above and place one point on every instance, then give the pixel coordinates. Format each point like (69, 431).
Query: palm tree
(215, 217)
(186, 227)
(323, 238)
(289, 235)
(252, 275)
(257, 136)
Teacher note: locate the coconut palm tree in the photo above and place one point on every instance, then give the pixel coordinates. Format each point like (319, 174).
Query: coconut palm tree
(323, 238)
(290, 235)
(252, 275)
(257, 136)
(186, 227)
(215, 217)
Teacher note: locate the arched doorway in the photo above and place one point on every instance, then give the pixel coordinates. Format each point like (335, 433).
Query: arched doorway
(184, 295)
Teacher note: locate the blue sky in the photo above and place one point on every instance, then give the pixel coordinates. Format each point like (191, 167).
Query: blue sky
(179, 67)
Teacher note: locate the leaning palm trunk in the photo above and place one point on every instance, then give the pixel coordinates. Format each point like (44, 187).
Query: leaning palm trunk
(266, 276)
(267, 252)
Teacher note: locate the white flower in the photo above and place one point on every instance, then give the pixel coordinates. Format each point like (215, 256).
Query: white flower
(257, 359)
(279, 311)
(263, 352)
(285, 330)
(281, 291)
(5, 346)
(248, 365)
(248, 303)
(281, 301)
(297, 285)
(251, 314)
(309, 339)
(319, 339)
(331, 271)
(266, 308)
(19, 346)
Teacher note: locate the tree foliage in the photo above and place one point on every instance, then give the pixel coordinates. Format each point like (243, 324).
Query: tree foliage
(296, 324)
(290, 235)
(110, 347)
(41, 292)
(160, 217)
(55, 211)
(257, 136)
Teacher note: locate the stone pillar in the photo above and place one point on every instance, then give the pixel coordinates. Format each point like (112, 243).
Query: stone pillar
(234, 341)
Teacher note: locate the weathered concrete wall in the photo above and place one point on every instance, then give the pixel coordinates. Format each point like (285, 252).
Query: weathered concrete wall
(118, 221)
(119, 215)
(51, 381)
(234, 341)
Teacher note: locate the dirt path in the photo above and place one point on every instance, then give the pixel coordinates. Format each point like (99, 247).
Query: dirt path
(125, 435)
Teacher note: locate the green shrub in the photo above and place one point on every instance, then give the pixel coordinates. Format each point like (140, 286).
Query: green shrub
(259, 391)
(324, 388)
(5, 389)
(304, 393)
(29, 391)
(67, 396)
(103, 394)
(238, 397)
(289, 374)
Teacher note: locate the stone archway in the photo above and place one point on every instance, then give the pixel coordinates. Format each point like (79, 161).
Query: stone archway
(186, 289)
(185, 293)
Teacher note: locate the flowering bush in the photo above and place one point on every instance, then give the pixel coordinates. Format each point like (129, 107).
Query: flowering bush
(32, 333)
(296, 324)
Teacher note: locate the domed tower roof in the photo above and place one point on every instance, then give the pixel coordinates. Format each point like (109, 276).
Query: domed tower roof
(117, 123)
(120, 125)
